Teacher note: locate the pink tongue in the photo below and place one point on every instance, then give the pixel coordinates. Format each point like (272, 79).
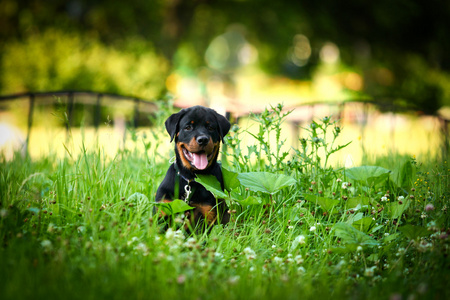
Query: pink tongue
(200, 161)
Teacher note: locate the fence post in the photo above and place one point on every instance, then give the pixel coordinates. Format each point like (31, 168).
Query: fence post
(30, 122)
(445, 140)
(69, 112)
(97, 112)
(136, 113)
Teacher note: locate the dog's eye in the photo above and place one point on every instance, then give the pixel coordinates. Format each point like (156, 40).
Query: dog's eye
(188, 127)
(210, 128)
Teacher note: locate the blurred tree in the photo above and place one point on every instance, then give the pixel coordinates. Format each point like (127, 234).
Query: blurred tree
(384, 40)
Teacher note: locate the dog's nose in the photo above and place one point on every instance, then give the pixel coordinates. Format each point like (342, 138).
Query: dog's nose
(202, 140)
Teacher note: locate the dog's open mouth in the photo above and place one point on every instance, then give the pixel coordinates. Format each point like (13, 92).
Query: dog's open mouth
(199, 160)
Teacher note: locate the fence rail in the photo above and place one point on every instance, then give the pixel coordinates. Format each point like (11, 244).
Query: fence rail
(306, 110)
(139, 104)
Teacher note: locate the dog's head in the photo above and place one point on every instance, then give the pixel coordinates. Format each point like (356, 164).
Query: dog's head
(197, 132)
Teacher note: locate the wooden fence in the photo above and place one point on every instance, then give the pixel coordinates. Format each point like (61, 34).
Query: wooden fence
(304, 112)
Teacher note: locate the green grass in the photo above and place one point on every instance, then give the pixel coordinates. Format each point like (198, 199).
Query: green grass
(83, 227)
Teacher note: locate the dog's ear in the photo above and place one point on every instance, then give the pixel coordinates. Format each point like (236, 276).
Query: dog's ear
(224, 125)
(172, 123)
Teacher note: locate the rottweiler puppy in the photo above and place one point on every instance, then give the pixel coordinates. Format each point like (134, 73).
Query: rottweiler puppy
(198, 132)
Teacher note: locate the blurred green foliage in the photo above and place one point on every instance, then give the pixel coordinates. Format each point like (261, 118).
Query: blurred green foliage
(56, 60)
(399, 47)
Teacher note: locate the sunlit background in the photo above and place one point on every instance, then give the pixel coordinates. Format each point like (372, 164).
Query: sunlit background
(382, 68)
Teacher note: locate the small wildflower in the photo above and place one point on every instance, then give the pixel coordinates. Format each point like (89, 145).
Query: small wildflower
(47, 245)
(301, 270)
(369, 272)
(190, 243)
(338, 180)
(400, 198)
(3, 213)
(249, 253)
(171, 234)
(181, 279)
(142, 248)
(301, 239)
(313, 228)
(278, 260)
(344, 185)
(299, 259)
(429, 207)
(289, 259)
(384, 199)
(233, 279)
(423, 215)
(359, 248)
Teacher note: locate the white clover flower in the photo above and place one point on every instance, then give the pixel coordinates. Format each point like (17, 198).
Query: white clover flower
(278, 260)
(301, 270)
(290, 227)
(313, 228)
(400, 198)
(170, 233)
(345, 185)
(429, 207)
(233, 279)
(384, 198)
(274, 246)
(369, 272)
(301, 239)
(142, 248)
(386, 234)
(299, 259)
(47, 245)
(133, 239)
(249, 253)
(174, 235)
(423, 215)
(3, 213)
(338, 180)
(359, 248)
(190, 243)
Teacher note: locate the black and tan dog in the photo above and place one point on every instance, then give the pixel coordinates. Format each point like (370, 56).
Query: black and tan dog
(198, 132)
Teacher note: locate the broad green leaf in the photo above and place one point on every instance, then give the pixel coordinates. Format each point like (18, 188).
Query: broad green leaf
(211, 183)
(326, 204)
(354, 217)
(395, 209)
(390, 237)
(375, 229)
(404, 175)
(370, 174)
(174, 207)
(251, 200)
(350, 235)
(353, 202)
(372, 257)
(412, 232)
(363, 224)
(265, 182)
(230, 179)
